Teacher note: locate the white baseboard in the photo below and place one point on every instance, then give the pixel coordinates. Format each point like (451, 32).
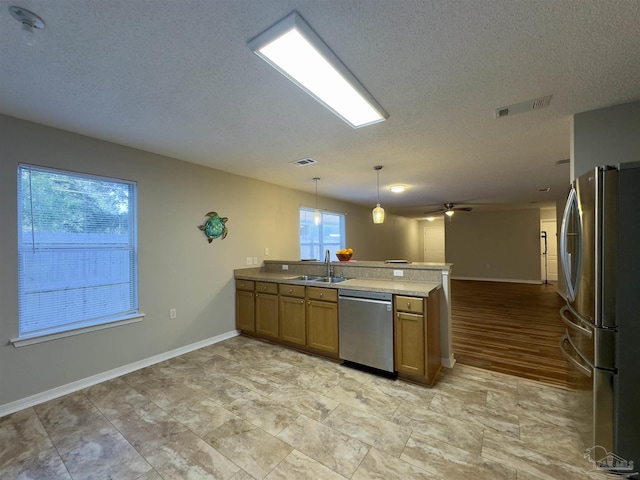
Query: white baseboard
(448, 362)
(506, 280)
(42, 397)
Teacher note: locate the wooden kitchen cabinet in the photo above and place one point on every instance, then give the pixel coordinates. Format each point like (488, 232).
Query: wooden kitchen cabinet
(292, 314)
(245, 306)
(266, 302)
(322, 320)
(417, 337)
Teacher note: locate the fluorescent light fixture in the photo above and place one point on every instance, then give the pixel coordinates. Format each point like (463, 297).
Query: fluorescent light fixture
(294, 49)
(397, 188)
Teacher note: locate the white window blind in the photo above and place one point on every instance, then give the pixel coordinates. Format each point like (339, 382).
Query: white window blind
(77, 250)
(316, 239)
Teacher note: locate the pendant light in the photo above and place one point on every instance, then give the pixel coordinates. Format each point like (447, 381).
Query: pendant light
(378, 212)
(317, 218)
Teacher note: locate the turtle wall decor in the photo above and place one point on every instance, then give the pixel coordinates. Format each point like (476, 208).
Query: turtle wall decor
(214, 227)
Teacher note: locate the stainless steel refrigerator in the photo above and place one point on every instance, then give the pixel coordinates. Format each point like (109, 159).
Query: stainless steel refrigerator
(600, 259)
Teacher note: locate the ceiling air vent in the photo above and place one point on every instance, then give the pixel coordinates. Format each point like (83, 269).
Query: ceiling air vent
(303, 162)
(522, 107)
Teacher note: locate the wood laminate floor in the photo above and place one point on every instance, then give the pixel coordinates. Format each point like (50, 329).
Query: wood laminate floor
(510, 328)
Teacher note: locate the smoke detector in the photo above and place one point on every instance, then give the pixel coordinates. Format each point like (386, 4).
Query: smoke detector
(522, 107)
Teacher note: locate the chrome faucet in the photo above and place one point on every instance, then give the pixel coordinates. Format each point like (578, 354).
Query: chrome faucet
(327, 260)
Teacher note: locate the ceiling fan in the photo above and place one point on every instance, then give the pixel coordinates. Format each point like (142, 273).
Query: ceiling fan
(449, 209)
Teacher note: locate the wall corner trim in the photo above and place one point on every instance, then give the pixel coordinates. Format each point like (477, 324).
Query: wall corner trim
(62, 390)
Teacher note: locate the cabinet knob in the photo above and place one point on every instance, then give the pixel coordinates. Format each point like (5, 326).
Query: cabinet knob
(408, 304)
(291, 290)
(301, 301)
(398, 315)
(309, 302)
(265, 287)
(321, 294)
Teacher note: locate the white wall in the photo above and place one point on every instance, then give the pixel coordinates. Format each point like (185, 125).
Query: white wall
(177, 267)
(500, 245)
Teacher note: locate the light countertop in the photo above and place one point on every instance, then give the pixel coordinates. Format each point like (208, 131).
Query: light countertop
(397, 287)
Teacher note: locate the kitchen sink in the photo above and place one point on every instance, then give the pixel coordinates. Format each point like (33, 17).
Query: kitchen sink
(316, 279)
(330, 279)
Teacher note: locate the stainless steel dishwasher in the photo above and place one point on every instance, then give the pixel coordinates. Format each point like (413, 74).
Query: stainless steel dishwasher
(366, 329)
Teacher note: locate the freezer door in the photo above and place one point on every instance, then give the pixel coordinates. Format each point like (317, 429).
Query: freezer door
(592, 398)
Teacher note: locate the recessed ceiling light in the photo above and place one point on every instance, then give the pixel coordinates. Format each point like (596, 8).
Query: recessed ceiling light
(397, 188)
(296, 51)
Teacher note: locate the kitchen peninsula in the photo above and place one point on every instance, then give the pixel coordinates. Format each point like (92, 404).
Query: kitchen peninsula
(273, 301)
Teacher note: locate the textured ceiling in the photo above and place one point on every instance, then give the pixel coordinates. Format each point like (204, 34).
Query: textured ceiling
(176, 77)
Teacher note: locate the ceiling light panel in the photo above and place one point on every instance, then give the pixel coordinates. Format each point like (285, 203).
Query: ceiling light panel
(294, 49)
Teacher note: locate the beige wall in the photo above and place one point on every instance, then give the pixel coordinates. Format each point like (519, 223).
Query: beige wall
(178, 268)
(607, 136)
(501, 245)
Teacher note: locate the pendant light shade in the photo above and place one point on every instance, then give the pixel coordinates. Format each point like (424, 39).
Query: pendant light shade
(378, 212)
(317, 218)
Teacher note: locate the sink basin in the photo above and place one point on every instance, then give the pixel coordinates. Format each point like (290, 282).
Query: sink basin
(330, 279)
(307, 278)
(316, 279)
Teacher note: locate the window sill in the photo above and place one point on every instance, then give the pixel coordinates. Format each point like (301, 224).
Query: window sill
(31, 340)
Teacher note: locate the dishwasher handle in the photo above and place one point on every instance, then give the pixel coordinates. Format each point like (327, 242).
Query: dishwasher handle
(365, 300)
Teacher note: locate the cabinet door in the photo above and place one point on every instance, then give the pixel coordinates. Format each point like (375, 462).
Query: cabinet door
(267, 315)
(322, 326)
(292, 320)
(245, 317)
(410, 343)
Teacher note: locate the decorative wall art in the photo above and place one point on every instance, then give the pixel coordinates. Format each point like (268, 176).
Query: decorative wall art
(214, 227)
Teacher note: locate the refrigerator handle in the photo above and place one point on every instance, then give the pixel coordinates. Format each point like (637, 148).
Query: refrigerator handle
(576, 326)
(586, 370)
(565, 257)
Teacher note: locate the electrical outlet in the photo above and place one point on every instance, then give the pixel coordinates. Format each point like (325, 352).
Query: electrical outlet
(285, 267)
(398, 273)
(266, 251)
(173, 314)
(249, 261)
(255, 260)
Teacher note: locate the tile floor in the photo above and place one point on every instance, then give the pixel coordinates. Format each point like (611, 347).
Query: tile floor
(244, 409)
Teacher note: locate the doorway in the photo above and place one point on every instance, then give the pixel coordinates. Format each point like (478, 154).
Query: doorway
(549, 258)
(434, 242)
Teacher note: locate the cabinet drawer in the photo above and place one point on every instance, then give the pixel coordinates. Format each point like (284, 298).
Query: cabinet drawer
(409, 304)
(245, 285)
(266, 287)
(291, 290)
(326, 294)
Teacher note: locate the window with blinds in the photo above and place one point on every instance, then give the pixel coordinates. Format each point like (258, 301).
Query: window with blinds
(327, 235)
(77, 251)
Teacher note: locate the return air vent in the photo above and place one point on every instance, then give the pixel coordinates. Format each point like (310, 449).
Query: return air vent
(303, 162)
(522, 107)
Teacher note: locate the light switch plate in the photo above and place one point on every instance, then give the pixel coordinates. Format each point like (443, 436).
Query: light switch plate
(285, 267)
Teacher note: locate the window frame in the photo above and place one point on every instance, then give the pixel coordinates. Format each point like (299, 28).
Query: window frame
(100, 319)
(322, 245)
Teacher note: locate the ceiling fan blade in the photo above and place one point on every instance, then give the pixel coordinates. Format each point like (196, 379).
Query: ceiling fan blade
(463, 209)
